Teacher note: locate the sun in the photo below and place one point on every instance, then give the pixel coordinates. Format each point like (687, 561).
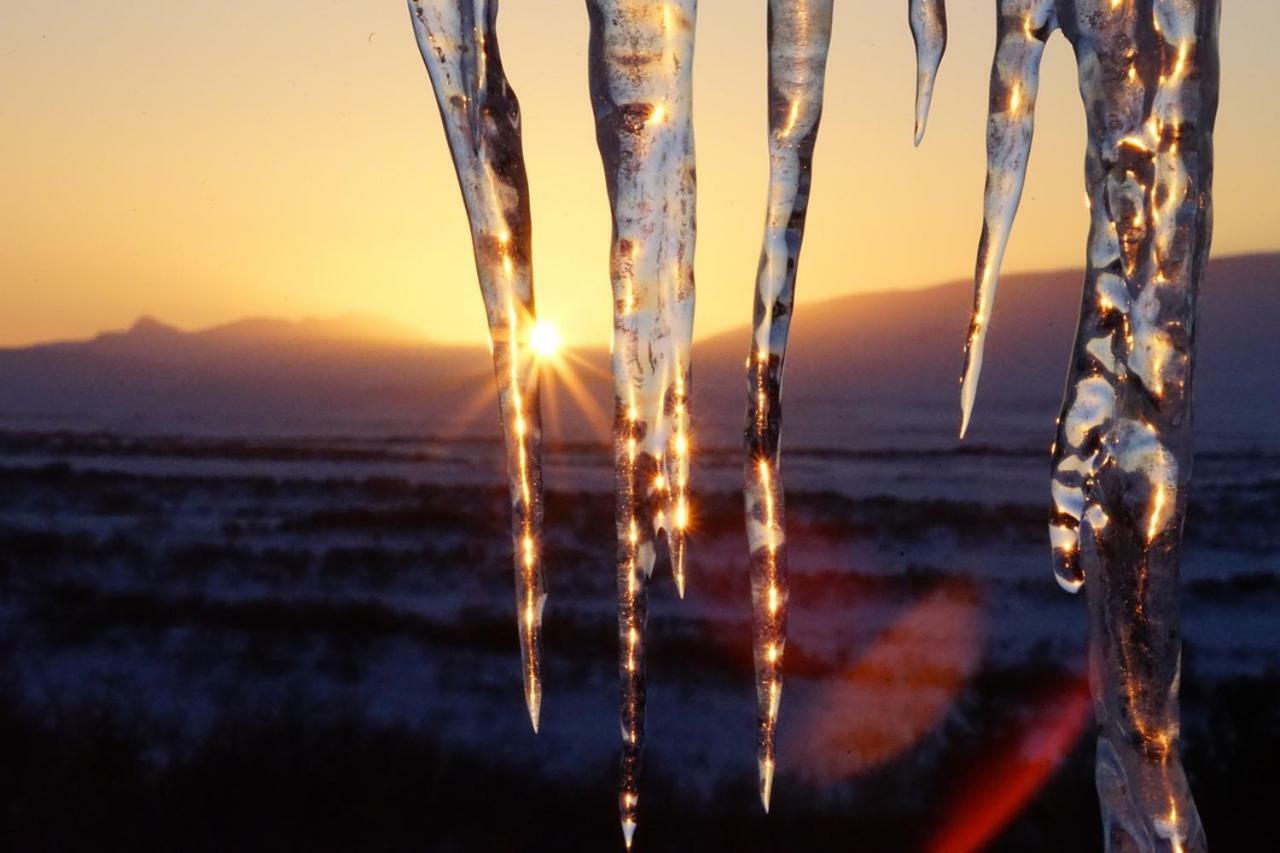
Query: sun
(544, 339)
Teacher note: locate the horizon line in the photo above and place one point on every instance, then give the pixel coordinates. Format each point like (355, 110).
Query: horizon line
(412, 335)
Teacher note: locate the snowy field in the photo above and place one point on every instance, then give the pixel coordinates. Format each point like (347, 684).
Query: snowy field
(338, 610)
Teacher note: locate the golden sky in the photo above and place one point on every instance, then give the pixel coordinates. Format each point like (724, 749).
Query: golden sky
(204, 162)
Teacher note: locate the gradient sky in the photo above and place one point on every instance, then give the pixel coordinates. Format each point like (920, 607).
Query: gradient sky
(203, 162)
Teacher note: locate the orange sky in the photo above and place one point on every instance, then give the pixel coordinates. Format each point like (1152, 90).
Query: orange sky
(202, 162)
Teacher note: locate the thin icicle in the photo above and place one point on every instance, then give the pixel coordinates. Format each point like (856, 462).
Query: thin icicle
(482, 121)
(929, 29)
(1023, 27)
(799, 37)
(641, 69)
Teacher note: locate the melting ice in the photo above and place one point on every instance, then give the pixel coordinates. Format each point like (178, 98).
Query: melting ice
(1148, 75)
(481, 116)
(799, 38)
(641, 74)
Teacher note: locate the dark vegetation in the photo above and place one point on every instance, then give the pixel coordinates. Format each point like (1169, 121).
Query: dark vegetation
(75, 778)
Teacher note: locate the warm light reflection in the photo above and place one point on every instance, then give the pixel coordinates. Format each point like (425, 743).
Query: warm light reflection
(1157, 512)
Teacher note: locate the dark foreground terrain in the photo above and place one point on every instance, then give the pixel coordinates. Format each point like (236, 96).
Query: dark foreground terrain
(76, 778)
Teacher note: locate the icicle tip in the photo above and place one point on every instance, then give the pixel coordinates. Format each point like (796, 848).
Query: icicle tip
(928, 19)
(967, 394)
(1068, 584)
(972, 371)
(533, 700)
(924, 99)
(766, 783)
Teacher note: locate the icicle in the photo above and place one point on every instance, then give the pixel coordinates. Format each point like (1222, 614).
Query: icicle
(799, 37)
(482, 121)
(929, 30)
(1023, 27)
(641, 69)
(1149, 79)
(1148, 75)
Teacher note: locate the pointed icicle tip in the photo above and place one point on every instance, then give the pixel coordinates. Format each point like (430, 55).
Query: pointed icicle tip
(766, 784)
(628, 832)
(968, 389)
(534, 703)
(980, 321)
(928, 20)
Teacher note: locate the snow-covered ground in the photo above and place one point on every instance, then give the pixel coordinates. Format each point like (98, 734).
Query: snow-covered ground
(185, 582)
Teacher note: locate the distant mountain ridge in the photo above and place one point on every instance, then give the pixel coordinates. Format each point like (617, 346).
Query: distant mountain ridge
(148, 330)
(861, 369)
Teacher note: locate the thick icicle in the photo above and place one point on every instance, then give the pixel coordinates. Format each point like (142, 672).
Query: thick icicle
(929, 29)
(1148, 75)
(1149, 80)
(482, 121)
(641, 70)
(799, 37)
(1023, 27)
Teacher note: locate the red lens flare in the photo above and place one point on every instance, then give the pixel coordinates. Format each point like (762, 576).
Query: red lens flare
(994, 792)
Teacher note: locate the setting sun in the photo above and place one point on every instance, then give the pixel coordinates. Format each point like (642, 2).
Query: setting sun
(544, 338)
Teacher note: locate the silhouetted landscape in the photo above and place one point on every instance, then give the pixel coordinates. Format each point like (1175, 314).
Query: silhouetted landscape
(255, 594)
(880, 361)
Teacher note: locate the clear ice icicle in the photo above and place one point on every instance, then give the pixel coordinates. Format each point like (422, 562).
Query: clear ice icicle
(799, 38)
(482, 122)
(1148, 76)
(929, 30)
(1023, 27)
(641, 70)
(1149, 79)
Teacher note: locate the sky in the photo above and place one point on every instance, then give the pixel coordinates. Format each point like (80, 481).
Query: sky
(205, 162)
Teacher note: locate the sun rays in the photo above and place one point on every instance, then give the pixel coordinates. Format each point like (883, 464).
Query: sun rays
(570, 396)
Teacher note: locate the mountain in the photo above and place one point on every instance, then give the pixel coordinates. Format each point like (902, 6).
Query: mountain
(251, 376)
(892, 360)
(148, 333)
(863, 370)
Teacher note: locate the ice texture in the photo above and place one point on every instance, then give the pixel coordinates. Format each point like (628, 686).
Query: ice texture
(1148, 75)
(1022, 28)
(929, 30)
(799, 38)
(481, 116)
(641, 74)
